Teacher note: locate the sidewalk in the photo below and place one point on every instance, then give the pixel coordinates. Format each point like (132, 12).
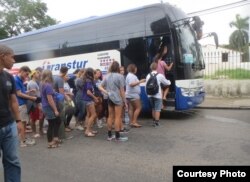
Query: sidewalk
(225, 103)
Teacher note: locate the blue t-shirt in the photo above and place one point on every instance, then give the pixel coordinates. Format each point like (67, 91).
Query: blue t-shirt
(20, 86)
(88, 86)
(47, 89)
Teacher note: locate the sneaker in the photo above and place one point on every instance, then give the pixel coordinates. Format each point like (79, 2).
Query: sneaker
(121, 139)
(23, 144)
(156, 124)
(99, 123)
(30, 141)
(111, 138)
(69, 137)
(37, 135)
(124, 130)
(79, 127)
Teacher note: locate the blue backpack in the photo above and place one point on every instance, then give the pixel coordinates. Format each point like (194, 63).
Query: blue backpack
(152, 86)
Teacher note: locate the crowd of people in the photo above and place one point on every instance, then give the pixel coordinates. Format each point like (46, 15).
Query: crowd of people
(86, 97)
(36, 95)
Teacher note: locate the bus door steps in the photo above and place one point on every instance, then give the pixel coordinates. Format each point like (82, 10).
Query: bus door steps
(169, 102)
(168, 108)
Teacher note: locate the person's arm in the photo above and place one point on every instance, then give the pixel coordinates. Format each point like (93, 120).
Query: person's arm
(163, 80)
(122, 92)
(133, 84)
(25, 96)
(168, 67)
(102, 87)
(14, 108)
(52, 104)
(89, 93)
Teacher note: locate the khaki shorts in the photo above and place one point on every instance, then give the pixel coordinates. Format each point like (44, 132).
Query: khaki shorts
(23, 113)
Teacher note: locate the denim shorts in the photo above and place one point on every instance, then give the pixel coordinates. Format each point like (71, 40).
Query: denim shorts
(132, 99)
(155, 103)
(49, 113)
(89, 102)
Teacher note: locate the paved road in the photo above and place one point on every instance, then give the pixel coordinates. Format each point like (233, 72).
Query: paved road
(197, 137)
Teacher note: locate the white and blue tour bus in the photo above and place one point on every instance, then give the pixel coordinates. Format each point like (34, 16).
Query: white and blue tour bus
(132, 36)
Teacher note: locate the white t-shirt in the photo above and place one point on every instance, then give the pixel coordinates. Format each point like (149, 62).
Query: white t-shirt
(160, 79)
(132, 92)
(66, 87)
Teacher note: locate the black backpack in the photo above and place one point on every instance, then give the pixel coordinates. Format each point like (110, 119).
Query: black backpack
(152, 86)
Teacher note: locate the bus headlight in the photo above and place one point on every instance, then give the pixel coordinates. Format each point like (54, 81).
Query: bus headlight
(187, 92)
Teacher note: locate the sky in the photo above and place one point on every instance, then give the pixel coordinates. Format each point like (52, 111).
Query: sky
(70, 10)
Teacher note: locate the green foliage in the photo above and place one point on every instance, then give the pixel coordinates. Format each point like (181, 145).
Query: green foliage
(238, 74)
(239, 39)
(18, 16)
(3, 33)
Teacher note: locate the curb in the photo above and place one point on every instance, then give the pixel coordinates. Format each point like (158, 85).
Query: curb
(224, 107)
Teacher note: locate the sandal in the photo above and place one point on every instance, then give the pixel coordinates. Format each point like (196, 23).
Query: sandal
(135, 125)
(94, 132)
(67, 129)
(53, 145)
(89, 134)
(58, 141)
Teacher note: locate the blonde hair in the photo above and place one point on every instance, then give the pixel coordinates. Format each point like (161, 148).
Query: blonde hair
(80, 73)
(153, 66)
(47, 76)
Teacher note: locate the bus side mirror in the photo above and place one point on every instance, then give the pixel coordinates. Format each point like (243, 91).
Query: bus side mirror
(216, 40)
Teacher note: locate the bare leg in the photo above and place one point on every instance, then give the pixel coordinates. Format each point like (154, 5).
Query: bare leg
(118, 112)
(165, 93)
(91, 118)
(136, 105)
(111, 117)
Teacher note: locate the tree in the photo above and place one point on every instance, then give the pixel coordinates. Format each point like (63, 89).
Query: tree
(18, 16)
(238, 40)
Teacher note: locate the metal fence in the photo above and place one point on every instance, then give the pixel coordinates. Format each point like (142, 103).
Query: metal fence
(225, 65)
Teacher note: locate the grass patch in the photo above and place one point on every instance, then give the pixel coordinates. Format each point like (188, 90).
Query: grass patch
(237, 74)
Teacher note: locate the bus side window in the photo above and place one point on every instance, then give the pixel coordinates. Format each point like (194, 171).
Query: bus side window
(153, 44)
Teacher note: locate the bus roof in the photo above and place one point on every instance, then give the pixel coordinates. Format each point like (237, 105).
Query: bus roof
(117, 26)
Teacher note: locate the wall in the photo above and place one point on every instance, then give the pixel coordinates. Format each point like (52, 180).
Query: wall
(228, 88)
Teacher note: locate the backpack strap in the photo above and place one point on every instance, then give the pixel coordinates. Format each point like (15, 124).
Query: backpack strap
(153, 74)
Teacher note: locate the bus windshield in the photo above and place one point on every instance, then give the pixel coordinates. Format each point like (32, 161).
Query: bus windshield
(188, 45)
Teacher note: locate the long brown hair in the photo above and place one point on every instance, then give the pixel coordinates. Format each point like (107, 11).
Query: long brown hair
(47, 76)
(88, 75)
(114, 67)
